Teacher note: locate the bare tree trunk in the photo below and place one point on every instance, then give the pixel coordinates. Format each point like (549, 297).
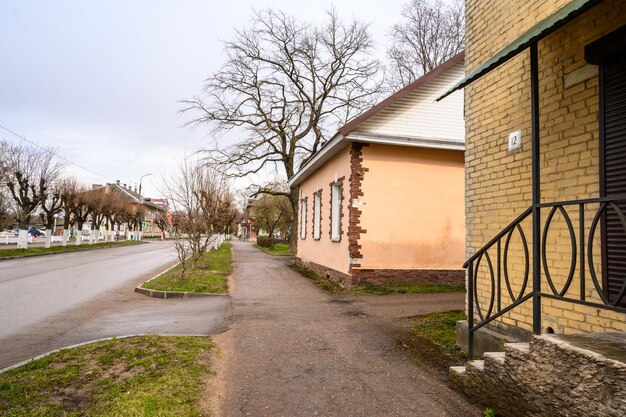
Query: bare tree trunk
(293, 236)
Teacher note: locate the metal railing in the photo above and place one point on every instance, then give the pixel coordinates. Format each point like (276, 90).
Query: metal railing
(495, 304)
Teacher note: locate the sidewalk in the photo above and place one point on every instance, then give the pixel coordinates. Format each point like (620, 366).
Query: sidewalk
(294, 350)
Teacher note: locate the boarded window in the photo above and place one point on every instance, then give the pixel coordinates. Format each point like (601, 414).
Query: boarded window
(335, 214)
(317, 215)
(303, 218)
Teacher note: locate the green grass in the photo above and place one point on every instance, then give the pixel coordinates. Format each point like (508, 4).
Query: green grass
(278, 249)
(7, 253)
(439, 328)
(407, 288)
(209, 276)
(490, 412)
(394, 288)
(140, 376)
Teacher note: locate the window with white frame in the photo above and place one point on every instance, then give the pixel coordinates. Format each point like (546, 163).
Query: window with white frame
(335, 212)
(303, 218)
(317, 215)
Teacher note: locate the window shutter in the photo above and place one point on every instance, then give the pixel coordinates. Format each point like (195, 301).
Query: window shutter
(614, 171)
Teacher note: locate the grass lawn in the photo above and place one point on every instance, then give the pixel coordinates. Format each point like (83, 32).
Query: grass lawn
(278, 249)
(6, 253)
(439, 328)
(209, 276)
(407, 288)
(137, 376)
(395, 288)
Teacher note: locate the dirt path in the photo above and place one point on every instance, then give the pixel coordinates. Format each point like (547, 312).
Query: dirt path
(294, 350)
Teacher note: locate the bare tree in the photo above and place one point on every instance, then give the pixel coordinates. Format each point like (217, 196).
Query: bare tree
(30, 172)
(6, 209)
(273, 212)
(70, 189)
(81, 214)
(202, 201)
(51, 206)
(288, 85)
(432, 31)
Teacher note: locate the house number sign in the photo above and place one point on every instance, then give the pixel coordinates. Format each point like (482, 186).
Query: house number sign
(515, 140)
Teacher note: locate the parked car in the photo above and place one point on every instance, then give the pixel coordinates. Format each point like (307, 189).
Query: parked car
(33, 231)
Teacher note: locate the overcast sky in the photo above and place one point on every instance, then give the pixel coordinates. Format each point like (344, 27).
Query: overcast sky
(101, 80)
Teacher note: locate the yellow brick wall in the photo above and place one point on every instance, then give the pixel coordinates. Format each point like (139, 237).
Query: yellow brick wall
(498, 183)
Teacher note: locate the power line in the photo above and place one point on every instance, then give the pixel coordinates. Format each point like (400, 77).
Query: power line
(55, 154)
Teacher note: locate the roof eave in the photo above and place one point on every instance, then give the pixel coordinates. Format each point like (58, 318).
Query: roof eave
(320, 158)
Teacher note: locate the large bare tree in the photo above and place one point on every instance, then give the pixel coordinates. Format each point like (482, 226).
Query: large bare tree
(285, 86)
(431, 32)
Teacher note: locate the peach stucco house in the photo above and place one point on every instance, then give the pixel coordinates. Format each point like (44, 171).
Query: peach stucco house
(383, 200)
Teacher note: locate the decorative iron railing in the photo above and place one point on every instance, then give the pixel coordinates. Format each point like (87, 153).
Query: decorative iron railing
(494, 302)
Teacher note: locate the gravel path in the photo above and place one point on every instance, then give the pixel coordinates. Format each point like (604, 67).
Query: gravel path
(294, 350)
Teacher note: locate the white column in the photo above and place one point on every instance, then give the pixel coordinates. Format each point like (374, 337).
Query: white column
(48, 238)
(22, 239)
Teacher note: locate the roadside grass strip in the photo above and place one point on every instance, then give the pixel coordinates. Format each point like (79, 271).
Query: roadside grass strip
(210, 275)
(434, 339)
(71, 247)
(394, 288)
(135, 376)
(278, 249)
(440, 328)
(407, 288)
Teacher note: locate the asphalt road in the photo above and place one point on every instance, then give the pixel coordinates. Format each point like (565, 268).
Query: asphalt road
(48, 302)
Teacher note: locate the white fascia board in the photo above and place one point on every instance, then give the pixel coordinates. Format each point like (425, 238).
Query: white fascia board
(449, 144)
(332, 148)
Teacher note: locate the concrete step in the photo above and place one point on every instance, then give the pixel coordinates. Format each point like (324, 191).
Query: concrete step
(478, 364)
(458, 370)
(494, 357)
(517, 349)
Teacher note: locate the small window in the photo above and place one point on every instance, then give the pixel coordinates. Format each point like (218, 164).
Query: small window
(335, 213)
(317, 215)
(303, 218)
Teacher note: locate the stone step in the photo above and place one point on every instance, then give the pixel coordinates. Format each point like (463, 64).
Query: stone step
(458, 370)
(478, 364)
(496, 357)
(518, 349)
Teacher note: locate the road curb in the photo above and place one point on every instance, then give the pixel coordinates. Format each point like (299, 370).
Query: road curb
(172, 294)
(7, 258)
(89, 342)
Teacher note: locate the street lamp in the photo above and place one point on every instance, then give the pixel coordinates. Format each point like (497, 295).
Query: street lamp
(141, 178)
(143, 215)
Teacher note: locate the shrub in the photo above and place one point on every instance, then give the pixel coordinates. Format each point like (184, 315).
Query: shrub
(265, 241)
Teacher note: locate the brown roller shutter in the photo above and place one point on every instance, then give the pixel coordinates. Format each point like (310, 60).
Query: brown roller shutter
(613, 171)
